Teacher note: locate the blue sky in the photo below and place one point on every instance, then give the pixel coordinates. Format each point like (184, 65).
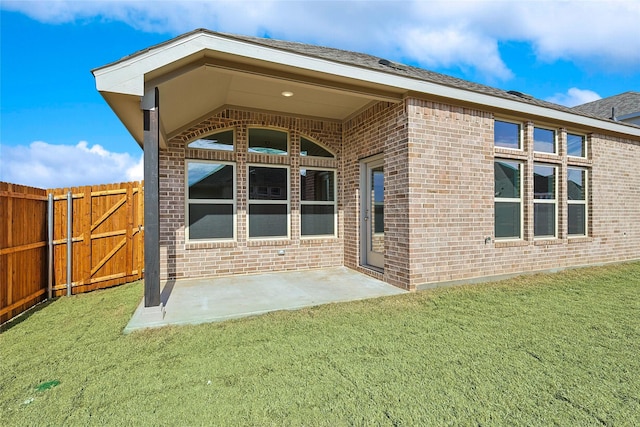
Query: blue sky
(56, 130)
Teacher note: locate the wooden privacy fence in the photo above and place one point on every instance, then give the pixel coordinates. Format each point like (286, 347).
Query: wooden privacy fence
(23, 248)
(67, 241)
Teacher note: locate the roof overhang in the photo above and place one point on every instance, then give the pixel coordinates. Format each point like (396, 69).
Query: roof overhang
(200, 72)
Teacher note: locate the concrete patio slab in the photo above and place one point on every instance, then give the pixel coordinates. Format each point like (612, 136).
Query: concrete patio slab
(195, 301)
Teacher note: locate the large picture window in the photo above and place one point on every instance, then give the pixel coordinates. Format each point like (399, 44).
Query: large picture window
(508, 199)
(577, 201)
(317, 202)
(544, 201)
(268, 202)
(210, 200)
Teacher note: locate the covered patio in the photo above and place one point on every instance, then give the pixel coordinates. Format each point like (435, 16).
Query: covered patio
(196, 301)
(209, 101)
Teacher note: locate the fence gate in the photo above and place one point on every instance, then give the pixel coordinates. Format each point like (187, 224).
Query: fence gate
(107, 236)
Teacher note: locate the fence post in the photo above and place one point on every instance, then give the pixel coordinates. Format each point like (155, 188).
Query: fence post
(69, 240)
(84, 218)
(50, 239)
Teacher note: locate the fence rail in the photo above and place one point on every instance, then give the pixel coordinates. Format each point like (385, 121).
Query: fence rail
(96, 241)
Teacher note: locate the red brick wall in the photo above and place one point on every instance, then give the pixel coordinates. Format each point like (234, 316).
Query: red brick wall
(379, 129)
(451, 191)
(180, 259)
(439, 197)
(451, 154)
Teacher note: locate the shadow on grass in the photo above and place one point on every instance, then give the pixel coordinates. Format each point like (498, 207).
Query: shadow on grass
(26, 315)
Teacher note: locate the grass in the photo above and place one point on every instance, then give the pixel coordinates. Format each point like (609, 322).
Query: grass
(560, 349)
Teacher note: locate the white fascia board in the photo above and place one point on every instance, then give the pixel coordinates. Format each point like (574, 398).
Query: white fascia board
(493, 102)
(112, 79)
(127, 76)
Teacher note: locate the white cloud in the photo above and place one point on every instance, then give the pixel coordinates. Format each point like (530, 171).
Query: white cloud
(574, 96)
(605, 34)
(461, 33)
(136, 172)
(449, 47)
(53, 166)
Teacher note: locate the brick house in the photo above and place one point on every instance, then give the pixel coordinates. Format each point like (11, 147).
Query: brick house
(265, 155)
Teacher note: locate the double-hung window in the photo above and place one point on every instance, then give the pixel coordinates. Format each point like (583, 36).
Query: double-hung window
(508, 199)
(545, 201)
(268, 201)
(577, 201)
(317, 202)
(268, 186)
(211, 200)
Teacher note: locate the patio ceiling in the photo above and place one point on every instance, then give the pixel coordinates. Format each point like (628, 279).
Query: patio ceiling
(196, 93)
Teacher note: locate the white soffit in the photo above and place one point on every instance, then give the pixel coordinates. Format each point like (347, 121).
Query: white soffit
(199, 91)
(191, 96)
(128, 76)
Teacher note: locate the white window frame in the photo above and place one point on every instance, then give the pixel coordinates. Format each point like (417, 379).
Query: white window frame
(584, 202)
(189, 201)
(555, 140)
(520, 134)
(333, 154)
(546, 201)
(511, 200)
(285, 131)
(333, 203)
(269, 202)
(584, 141)
(227, 129)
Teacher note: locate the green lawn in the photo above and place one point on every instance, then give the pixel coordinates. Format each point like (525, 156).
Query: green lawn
(560, 349)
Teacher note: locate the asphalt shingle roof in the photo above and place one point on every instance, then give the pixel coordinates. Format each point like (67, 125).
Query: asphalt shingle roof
(377, 64)
(624, 103)
(381, 65)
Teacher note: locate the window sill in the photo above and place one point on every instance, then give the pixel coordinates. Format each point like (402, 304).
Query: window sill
(210, 245)
(547, 241)
(513, 153)
(284, 241)
(547, 157)
(579, 161)
(509, 243)
(318, 240)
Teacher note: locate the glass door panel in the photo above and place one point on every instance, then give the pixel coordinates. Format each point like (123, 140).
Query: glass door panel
(373, 214)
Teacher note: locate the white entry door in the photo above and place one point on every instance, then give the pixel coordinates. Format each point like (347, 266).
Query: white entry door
(372, 212)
